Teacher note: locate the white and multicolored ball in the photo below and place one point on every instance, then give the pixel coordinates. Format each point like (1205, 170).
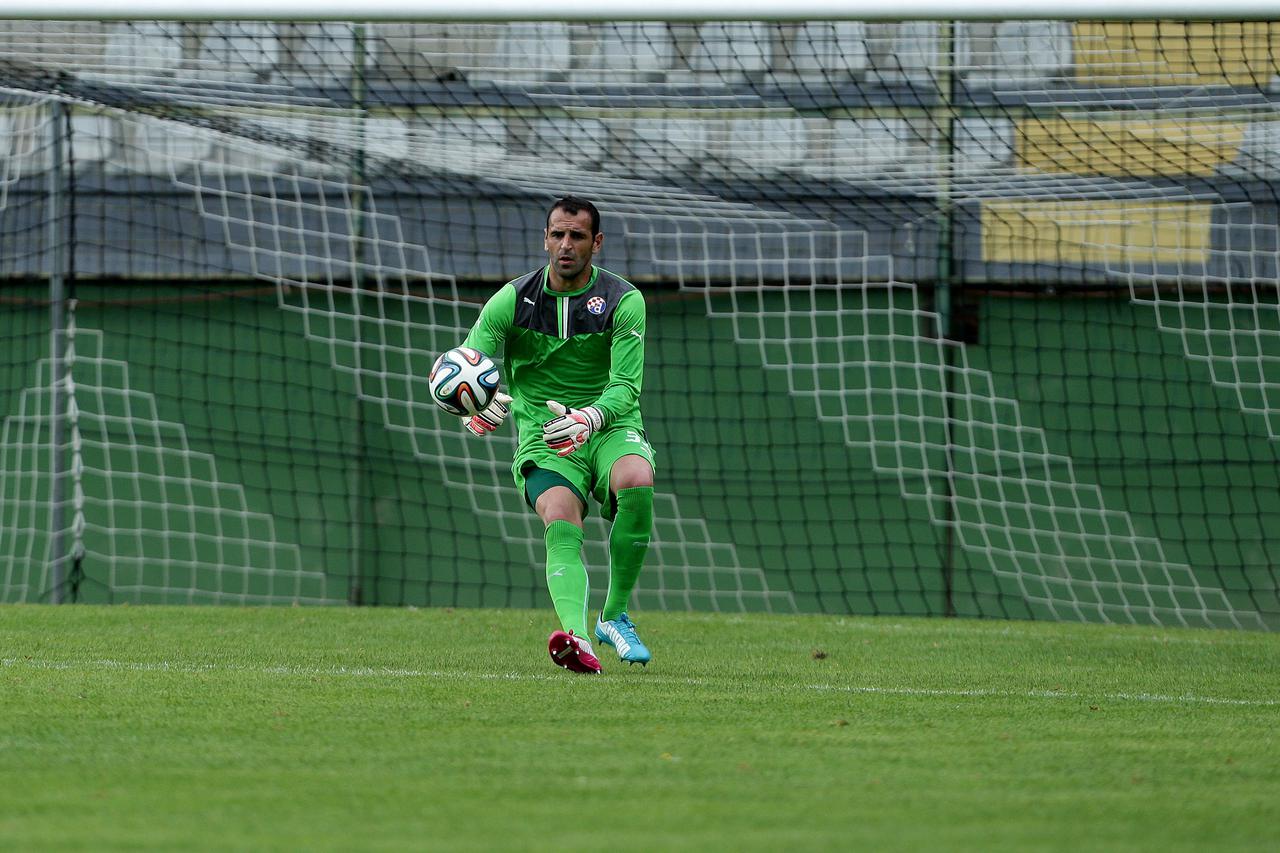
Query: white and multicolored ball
(463, 381)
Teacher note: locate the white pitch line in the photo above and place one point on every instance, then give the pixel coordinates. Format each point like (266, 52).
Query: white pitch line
(951, 629)
(1185, 698)
(391, 672)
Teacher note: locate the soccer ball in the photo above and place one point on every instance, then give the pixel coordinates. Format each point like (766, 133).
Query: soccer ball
(463, 381)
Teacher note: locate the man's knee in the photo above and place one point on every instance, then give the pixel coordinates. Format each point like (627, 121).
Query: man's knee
(559, 504)
(630, 472)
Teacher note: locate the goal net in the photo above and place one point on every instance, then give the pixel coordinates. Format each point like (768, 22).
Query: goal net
(945, 317)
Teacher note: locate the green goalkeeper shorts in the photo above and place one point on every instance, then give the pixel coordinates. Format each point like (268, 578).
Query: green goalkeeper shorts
(585, 471)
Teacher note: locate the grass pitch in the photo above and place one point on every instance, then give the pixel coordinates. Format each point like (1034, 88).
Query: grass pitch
(191, 728)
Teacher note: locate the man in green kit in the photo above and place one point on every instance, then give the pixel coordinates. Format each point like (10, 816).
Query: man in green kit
(573, 336)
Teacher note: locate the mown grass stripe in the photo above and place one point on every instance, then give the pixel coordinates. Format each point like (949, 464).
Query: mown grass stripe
(467, 675)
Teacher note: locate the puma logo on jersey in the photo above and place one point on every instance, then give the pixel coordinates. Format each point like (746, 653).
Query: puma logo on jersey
(637, 334)
(530, 301)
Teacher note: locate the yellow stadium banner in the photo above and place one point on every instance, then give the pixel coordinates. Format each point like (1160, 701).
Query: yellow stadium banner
(1127, 146)
(1095, 231)
(1191, 53)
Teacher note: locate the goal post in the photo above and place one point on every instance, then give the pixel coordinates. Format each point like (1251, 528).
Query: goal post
(976, 308)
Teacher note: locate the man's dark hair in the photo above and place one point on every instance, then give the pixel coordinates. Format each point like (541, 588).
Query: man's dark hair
(573, 205)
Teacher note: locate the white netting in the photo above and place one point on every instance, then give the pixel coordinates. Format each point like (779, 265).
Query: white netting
(950, 438)
(1088, 157)
(387, 337)
(1014, 501)
(24, 135)
(1216, 288)
(142, 503)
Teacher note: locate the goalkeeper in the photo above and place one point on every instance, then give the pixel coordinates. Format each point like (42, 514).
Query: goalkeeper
(573, 341)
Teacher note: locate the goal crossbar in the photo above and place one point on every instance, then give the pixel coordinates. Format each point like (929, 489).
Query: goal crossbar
(638, 10)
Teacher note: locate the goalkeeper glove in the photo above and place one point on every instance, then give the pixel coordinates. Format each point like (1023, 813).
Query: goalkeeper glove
(490, 417)
(570, 428)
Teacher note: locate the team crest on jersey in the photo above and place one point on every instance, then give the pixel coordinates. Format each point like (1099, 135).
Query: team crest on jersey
(596, 305)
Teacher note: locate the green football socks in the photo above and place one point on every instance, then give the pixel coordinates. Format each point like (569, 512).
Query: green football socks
(567, 576)
(628, 544)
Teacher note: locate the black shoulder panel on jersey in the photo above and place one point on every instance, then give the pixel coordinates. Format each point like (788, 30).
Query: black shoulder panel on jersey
(534, 309)
(592, 312)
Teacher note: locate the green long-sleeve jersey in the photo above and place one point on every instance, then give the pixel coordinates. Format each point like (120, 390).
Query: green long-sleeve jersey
(582, 348)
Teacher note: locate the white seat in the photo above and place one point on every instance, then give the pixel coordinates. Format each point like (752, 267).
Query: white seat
(662, 145)
(532, 53)
(253, 155)
(459, 143)
(55, 44)
(729, 50)
(1016, 51)
(138, 50)
(905, 51)
(387, 137)
(573, 140)
(239, 49)
(857, 149)
(817, 50)
(1259, 154)
(983, 144)
(320, 53)
(158, 147)
(24, 141)
(762, 145)
(644, 49)
(453, 48)
(94, 138)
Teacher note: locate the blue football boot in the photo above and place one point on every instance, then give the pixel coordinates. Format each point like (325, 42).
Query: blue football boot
(621, 634)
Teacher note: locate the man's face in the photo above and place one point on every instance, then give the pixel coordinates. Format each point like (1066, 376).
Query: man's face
(569, 243)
